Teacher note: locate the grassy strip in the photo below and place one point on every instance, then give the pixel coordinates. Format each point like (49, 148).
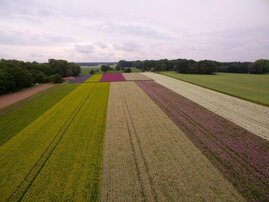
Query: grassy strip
(72, 171)
(241, 156)
(94, 78)
(17, 116)
(245, 86)
(24, 153)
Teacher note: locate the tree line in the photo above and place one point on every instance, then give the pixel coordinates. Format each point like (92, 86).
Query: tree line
(198, 67)
(15, 75)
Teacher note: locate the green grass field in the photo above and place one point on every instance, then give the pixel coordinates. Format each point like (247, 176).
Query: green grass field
(250, 87)
(61, 150)
(17, 116)
(86, 69)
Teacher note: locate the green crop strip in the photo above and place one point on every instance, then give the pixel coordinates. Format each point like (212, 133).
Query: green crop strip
(22, 156)
(16, 117)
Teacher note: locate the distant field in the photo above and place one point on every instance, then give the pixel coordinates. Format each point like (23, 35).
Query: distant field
(250, 87)
(17, 116)
(86, 69)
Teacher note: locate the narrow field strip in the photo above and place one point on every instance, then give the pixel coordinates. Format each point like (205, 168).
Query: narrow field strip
(135, 77)
(72, 171)
(242, 157)
(112, 77)
(81, 78)
(250, 116)
(147, 158)
(11, 98)
(16, 117)
(94, 78)
(23, 156)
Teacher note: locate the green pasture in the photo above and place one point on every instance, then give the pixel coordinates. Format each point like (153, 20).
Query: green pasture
(250, 87)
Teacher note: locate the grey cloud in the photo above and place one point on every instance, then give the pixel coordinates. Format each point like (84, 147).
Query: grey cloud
(29, 38)
(85, 49)
(101, 45)
(128, 47)
(132, 30)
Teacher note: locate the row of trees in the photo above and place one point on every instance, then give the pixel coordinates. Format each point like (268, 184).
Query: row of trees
(15, 75)
(201, 67)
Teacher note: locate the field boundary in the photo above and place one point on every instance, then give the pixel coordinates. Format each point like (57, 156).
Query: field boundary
(226, 93)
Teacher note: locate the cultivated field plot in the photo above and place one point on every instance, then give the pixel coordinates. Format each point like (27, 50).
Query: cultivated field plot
(81, 79)
(17, 116)
(58, 156)
(251, 116)
(251, 87)
(111, 77)
(241, 156)
(135, 77)
(8, 99)
(94, 78)
(147, 158)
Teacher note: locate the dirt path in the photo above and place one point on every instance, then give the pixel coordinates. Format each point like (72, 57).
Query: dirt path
(147, 158)
(6, 100)
(250, 116)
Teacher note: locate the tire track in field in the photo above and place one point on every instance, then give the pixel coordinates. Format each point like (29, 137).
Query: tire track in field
(174, 168)
(243, 162)
(150, 192)
(36, 169)
(240, 155)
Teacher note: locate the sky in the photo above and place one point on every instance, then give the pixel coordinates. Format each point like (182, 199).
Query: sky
(105, 30)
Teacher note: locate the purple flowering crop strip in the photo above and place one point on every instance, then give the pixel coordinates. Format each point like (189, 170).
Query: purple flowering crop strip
(110, 77)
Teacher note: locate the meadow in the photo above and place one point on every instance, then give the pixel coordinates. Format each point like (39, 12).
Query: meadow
(250, 87)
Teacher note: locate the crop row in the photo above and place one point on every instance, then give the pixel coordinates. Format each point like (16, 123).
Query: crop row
(16, 117)
(110, 77)
(241, 156)
(94, 78)
(147, 158)
(23, 157)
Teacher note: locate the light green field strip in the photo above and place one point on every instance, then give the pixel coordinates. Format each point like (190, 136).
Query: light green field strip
(17, 116)
(94, 78)
(24, 155)
(250, 87)
(147, 158)
(72, 172)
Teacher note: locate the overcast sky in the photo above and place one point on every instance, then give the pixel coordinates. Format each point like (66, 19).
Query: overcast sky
(106, 30)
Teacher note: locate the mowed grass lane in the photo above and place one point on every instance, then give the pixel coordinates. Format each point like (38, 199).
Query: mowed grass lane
(147, 158)
(73, 170)
(250, 87)
(17, 116)
(23, 157)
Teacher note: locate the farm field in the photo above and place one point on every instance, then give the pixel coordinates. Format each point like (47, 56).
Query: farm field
(24, 157)
(251, 116)
(250, 87)
(147, 158)
(94, 78)
(86, 69)
(17, 116)
(135, 77)
(11, 98)
(241, 156)
(133, 137)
